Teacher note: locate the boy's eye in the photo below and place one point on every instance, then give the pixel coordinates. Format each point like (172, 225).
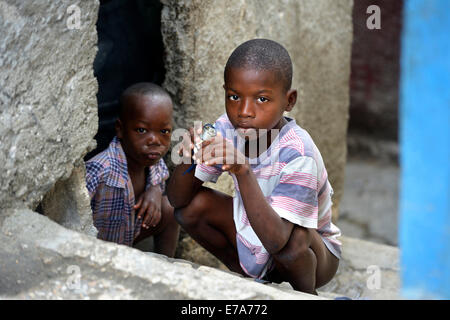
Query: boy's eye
(233, 97)
(166, 131)
(141, 130)
(262, 99)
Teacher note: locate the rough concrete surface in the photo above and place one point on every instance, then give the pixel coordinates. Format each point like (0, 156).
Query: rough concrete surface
(369, 207)
(67, 203)
(367, 271)
(48, 113)
(200, 35)
(42, 260)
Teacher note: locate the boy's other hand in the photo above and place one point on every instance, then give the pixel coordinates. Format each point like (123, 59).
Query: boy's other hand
(186, 146)
(221, 151)
(149, 205)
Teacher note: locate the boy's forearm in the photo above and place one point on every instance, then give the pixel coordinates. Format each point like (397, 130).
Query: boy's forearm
(271, 229)
(182, 186)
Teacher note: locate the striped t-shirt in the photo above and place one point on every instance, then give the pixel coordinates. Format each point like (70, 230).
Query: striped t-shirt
(293, 179)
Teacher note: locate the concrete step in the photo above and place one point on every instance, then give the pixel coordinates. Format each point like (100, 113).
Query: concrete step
(38, 254)
(367, 270)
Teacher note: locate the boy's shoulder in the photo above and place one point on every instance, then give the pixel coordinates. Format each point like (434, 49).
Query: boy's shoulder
(108, 164)
(101, 161)
(295, 141)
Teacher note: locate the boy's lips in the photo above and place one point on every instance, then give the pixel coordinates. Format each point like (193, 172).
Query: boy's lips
(153, 155)
(245, 129)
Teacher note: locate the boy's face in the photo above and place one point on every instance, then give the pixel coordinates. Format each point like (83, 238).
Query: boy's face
(145, 129)
(256, 99)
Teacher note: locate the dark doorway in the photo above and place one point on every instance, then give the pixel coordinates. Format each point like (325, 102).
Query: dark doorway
(375, 71)
(130, 50)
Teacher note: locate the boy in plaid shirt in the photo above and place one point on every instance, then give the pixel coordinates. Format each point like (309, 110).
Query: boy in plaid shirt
(126, 182)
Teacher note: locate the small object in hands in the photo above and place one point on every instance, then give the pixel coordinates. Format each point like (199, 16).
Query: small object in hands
(208, 132)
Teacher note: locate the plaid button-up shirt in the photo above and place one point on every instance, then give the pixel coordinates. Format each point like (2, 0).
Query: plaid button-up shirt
(112, 195)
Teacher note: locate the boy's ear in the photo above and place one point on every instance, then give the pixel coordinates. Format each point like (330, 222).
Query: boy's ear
(291, 98)
(119, 128)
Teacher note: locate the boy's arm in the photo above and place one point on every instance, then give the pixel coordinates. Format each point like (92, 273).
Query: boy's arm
(273, 231)
(182, 187)
(148, 206)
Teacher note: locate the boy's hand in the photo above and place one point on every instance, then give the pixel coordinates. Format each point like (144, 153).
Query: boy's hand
(149, 205)
(221, 151)
(186, 146)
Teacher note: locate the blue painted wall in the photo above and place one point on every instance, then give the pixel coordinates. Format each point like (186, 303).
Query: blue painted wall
(425, 150)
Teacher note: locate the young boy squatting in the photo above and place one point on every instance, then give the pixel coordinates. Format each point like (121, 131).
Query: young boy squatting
(132, 168)
(278, 226)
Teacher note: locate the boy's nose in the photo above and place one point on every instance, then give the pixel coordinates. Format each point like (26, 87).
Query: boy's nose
(152, 139)
(246, 109)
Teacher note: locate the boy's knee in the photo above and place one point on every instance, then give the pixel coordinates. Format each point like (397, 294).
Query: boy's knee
(185, 217)
(190, 214)
(298, 245)
(170, 218)
(179, 216)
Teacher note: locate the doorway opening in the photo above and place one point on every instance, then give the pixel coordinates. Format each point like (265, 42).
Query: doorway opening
(130, 50)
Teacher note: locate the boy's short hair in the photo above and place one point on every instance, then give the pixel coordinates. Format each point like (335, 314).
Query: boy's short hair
(141, 89)
(262, 54)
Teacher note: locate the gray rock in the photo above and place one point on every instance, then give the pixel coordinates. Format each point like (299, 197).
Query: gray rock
(48, 113)
(68, 202)
(367, 271)
(42, 260)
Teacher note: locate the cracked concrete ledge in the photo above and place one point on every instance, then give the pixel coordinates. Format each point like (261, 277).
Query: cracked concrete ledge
(367, 270)
(43, 260)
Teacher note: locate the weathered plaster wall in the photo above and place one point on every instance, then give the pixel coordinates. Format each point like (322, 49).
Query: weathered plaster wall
(200, 35)
(48, 109)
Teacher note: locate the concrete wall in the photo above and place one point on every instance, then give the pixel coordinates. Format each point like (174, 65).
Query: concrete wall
(48, 112)
(200, 35)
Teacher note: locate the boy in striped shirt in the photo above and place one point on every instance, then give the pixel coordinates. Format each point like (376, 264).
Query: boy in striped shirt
(278, 225)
